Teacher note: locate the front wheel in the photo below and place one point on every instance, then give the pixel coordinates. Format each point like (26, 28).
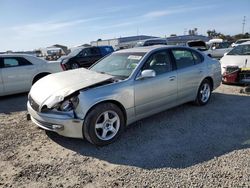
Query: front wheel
(204, 93)
(104, 124)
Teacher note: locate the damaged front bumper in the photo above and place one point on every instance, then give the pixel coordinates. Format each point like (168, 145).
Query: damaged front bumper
(62, 123)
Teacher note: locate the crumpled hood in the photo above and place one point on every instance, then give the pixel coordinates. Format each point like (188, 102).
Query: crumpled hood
(54, 87)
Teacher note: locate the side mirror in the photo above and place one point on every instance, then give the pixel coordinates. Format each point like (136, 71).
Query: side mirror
(148, 73)
(213, 48)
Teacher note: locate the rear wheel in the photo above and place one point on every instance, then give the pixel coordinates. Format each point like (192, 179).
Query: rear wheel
(204, 93)
(74, 66)
(104, 124)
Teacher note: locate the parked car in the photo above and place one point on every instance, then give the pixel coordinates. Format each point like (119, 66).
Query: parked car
(238, 57)
(85, 57)
(217, 50)
(151, 42)
(214, 49)
(53, 54)
(122, 88)
(18, 72)
(240, 41)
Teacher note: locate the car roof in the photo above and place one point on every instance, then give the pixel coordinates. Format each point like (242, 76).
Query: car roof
(16, 55)
(148, 49)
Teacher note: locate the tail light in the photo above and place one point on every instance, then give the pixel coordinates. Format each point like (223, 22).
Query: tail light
(63, 67)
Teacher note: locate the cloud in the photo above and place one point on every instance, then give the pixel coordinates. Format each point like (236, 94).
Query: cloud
(46, 28)
(173, 10)
(150, 16)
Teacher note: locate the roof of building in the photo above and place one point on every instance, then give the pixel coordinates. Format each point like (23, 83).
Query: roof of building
(130, 38)
(188, 37)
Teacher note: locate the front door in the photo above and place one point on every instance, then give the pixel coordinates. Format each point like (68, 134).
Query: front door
(155, 94)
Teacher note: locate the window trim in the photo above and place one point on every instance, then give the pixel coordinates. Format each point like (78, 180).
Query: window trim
(201, 56)
(191, 51)
(18, 59)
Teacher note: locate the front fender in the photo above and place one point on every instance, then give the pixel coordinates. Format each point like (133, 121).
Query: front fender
(121, 93)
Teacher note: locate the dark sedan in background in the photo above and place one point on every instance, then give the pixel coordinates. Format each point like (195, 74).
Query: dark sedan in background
(85, 57)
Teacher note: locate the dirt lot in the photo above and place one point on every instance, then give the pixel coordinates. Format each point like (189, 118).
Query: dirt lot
(187, 146)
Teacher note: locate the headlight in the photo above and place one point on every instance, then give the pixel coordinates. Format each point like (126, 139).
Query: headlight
(69, 104)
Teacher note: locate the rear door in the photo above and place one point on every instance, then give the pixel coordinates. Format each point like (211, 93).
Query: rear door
(95, 52)
(16, 74)
(190, 70)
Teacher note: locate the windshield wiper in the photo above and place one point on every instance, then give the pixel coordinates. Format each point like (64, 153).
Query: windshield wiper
(105, 73)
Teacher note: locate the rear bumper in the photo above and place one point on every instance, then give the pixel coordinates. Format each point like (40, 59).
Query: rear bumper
(63, 124)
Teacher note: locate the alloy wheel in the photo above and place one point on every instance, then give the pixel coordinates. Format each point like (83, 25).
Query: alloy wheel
(107, 125)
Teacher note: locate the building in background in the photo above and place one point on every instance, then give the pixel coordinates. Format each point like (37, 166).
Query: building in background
(122, 42)
(183, 39)
(64, 49)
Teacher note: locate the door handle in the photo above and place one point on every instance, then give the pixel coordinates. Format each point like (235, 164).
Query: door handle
(200, 71)
(172, 78)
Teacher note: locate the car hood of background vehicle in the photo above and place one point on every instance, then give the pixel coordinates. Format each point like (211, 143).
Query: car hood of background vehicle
(54, 87)
(234, 60)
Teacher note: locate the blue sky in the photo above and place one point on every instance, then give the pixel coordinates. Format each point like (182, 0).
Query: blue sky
(30, 24)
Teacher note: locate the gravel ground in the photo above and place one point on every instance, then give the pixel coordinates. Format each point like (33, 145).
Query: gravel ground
(187, 146)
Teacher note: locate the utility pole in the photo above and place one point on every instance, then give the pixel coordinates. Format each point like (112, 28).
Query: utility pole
(243, 25)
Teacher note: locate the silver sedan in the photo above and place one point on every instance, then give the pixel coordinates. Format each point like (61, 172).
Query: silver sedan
(128, 85)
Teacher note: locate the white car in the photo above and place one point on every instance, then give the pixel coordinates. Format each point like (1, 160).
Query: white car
(19, 71)
(217, 50)
(240, 41)
(237, 57)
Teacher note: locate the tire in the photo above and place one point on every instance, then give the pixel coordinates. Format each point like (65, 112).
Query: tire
(204, 93)
(104, 124)
(74, 66)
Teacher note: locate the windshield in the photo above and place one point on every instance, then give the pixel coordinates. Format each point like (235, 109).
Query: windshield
(118, 64)
(240, 50)
(75, 52)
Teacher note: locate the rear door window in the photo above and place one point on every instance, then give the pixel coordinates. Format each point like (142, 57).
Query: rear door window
(94, 51)
(197, 57)
(10, 62)
(15, 62)
(183, 58)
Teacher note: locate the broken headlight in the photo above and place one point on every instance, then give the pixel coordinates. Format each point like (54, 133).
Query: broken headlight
(69, 104)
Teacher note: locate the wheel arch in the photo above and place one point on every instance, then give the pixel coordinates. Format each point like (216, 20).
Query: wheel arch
(39, 75)
(117, 103)
(210, 79)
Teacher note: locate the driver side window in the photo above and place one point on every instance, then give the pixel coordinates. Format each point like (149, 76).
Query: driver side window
(159, 62)
(85, 53)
